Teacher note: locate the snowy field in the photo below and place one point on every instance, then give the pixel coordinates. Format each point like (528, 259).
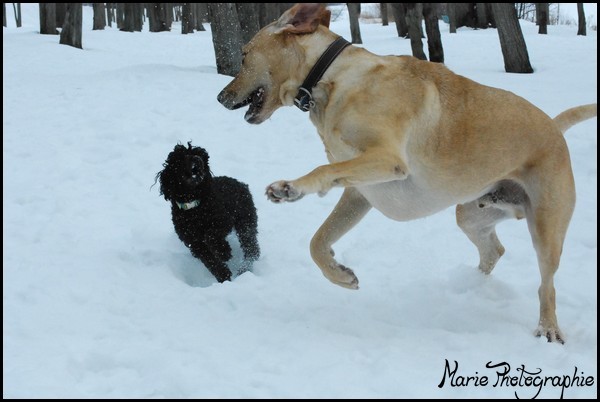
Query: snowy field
(102, 300)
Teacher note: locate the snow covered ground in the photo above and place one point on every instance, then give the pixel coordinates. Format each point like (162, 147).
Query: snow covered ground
(101, 299)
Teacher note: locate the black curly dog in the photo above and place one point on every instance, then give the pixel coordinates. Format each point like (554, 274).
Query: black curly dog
(205, 209)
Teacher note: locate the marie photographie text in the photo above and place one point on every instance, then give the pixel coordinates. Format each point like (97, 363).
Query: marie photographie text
(527, 382)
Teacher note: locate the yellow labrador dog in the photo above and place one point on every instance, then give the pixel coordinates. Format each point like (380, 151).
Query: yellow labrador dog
(410, 138)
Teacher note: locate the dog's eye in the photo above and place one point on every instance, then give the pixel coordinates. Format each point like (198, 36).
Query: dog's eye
(197, 164)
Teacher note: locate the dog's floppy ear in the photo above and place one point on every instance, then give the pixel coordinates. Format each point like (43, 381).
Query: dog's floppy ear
(303, 18)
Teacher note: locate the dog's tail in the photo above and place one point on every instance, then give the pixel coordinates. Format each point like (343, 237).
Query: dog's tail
(570, 117)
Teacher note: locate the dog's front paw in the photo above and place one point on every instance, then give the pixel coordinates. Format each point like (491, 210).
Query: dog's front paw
(283, 191)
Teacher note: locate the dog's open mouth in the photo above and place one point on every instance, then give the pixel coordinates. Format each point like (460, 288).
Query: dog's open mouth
(256, 101)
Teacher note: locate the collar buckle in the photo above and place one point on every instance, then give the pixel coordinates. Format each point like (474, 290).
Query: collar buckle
(304, 101)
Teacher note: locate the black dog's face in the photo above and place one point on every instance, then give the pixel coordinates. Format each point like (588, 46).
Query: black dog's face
(186, 172)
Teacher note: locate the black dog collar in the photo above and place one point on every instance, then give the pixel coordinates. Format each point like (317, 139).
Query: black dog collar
(304, 97)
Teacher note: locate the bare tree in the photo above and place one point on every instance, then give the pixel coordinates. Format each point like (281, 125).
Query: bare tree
(452, 17)
(482, 18)
(226, 36)
(434, 39)
(61, 12)
(542, 11)
(267, 13)
(514, 49)
(354, 13)
(17, 10)
(71, 30)
(249, 22)
(109, 13)
(465, 14)
(581, 30)
(384, 14)
(132, 17)
(399, 14)
(48, 19)
(413, 20)
(201, 15)
(120, 15)
(99, 16)
(158, 16)
(187, 18)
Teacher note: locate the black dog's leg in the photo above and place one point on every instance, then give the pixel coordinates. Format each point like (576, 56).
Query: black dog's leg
(249, 243)
(213, 262)
(246, 229)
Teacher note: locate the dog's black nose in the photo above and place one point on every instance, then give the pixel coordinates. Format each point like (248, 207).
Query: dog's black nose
(222, 97)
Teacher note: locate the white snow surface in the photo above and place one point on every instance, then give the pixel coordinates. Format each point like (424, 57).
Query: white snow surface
(102, 300)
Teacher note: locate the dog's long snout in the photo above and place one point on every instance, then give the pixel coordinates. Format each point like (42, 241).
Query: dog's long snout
(226, 99)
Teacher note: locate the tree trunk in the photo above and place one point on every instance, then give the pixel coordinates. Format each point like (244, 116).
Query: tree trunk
(354, 12)
(120, 9)
(177, 13)
(201, 16)
(138, 16)
(490, 15)
(413, 21)
(434, 39)
(71, 31)
(465, 15)
(17, 10)
(482, 19)
(226, 36)
(169, 15)
(128, 23)
(248, 17)
(542, 11)
(48, 19)
(267, 13)
(452, 17)
(109, 14)
(400, 18)
(132, 17)
(158, 16)
(61, 12)
(99, 16)
(581, 30)
(187, 18)
(384, 14)
(514, 49)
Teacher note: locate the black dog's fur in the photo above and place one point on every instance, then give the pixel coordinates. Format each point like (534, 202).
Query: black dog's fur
(224, 204)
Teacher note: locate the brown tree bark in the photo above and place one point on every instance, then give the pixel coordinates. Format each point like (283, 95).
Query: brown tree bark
(354, 13)
(581, 29)
(71, 30)
(514, 49)
(434, 39)
(48, 19)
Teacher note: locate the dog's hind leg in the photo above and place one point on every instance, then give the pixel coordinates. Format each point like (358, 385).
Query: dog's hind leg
(478, 221)
(552, 204)
(350, 209)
